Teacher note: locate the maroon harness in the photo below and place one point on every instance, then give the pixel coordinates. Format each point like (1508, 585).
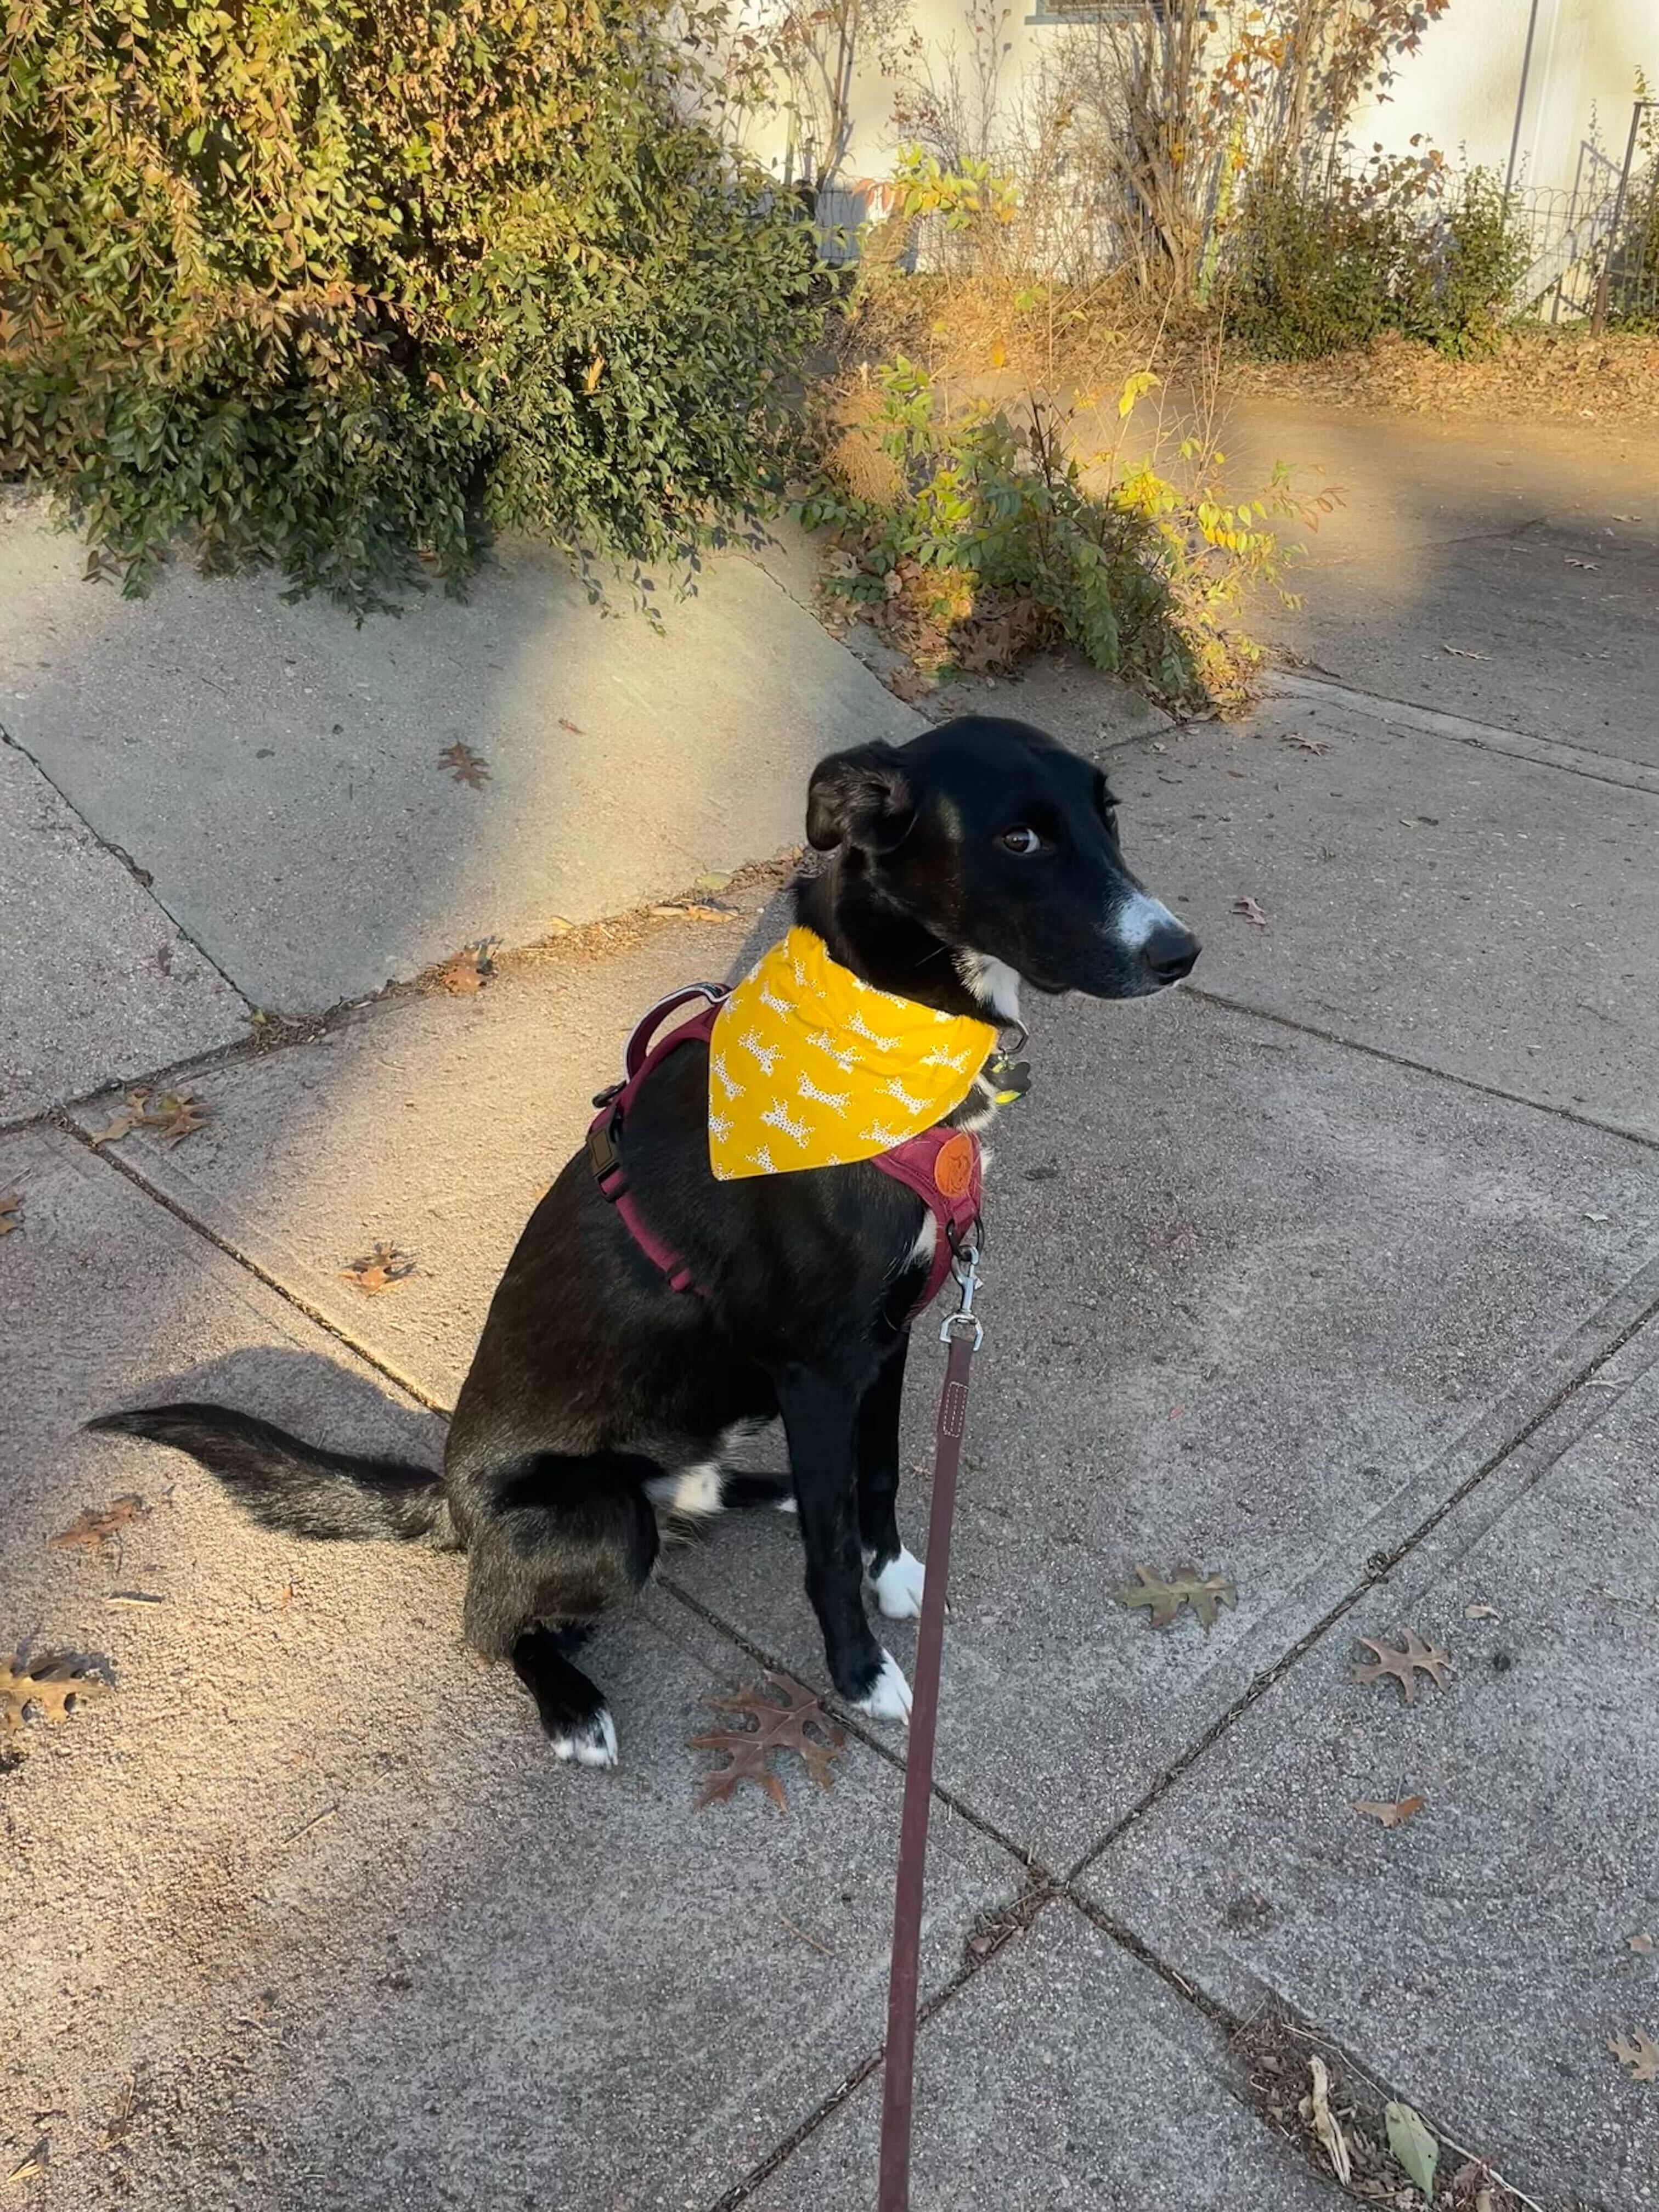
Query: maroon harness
(951, 1197)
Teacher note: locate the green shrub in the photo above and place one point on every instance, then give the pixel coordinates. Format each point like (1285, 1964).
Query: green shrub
(347, 287)
(968, 539)
(1313, 270)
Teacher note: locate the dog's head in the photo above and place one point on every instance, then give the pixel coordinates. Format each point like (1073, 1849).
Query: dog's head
(1004, 847)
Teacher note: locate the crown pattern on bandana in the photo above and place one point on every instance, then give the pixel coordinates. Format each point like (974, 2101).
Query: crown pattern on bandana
(811, 1066)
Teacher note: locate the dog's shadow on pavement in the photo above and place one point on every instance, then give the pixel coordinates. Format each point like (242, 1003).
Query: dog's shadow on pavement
(319, 1399)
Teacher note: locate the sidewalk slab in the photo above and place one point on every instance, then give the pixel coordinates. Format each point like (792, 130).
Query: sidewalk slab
(1492, 917)
(1477, 1960)
(1066, 2078)
(1506, 571)
(275, 767)
(1269, 1305)
(99, 983)
(434, 1124)
(1230, 1322)
(302, 1913)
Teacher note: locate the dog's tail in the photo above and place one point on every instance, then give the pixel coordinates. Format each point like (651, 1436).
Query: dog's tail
(296, 1487)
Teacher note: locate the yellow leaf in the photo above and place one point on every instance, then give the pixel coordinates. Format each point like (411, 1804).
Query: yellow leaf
(999, 355)
(1135, 387)
(595, 370)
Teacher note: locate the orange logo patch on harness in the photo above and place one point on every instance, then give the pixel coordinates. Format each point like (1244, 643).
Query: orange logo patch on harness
(953, 1165)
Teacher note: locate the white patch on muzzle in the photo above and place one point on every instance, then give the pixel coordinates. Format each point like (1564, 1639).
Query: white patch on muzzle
(1133, 923)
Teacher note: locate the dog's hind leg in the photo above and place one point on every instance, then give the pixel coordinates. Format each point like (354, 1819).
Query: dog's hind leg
(561, 1540)
(895, 1575)
(571, 1708)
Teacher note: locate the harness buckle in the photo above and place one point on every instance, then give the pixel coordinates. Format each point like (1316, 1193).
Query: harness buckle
(603, 1156)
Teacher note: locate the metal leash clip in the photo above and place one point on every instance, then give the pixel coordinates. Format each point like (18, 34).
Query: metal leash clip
(964, 1265)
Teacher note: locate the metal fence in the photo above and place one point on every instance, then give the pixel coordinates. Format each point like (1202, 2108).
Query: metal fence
(1593, 246)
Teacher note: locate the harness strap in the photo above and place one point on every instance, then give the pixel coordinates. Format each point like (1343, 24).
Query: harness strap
(942, 1166)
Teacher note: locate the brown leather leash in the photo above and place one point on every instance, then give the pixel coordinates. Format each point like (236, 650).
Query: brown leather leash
(962, 1331)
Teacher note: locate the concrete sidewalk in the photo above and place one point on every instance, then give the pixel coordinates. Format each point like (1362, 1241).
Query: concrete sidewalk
(1336, 1273)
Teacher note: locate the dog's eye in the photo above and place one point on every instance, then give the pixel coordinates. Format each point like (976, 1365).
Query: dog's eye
(1021, 839)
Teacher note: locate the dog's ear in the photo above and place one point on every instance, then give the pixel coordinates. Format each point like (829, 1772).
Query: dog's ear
(861, 798)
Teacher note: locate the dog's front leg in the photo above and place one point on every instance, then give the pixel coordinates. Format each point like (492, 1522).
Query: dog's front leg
(895, 1573)
(821, 1419)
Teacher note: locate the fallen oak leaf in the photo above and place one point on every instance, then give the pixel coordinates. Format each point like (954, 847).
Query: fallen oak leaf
(173, 1116)
(1162, 1600)
(380, 1269)
(1641, 2056)
(54, 1685)
(91, 1530)
(778, 1727)
(1390, 1816)
(1402, 1666)
(11, 1205)
(1248, 910)
(908, 684)
(467, 971)
(466, 765)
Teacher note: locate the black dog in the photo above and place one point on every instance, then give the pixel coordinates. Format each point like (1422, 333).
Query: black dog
(978, 856)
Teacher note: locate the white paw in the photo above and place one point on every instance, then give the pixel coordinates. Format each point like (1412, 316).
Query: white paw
(592, 1744)
(898, 1587)
(888, 1696)
(785, 1504)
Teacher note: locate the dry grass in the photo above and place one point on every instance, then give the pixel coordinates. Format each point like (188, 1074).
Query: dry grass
(990, 333)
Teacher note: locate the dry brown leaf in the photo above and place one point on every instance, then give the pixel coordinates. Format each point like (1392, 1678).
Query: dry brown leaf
(1641, 2056)
(777, 1727)
(1306, 744)
(380, 1269)
(11, 1203)
(908, 684)
(1248, 910)
(575, 728)
(1641, 1942)
(1463, 653)
(1391, 1816)
(1480, 1613)
(174, 1116)
(464, 765)
(467, 971)
(92, 1531)
(1402, 1666)
(1162, 1600)
(1315, 2110)
(53, 1686)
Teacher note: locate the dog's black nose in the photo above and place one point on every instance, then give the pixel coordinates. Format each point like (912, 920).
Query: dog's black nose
(1170, 951)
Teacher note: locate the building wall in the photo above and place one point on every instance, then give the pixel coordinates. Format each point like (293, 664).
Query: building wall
(1460, 90)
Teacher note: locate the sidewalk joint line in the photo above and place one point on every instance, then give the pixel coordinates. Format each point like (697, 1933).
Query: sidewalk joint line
(1377, 1570)
(1403, 1061)
(1316, 684)
(118, 852)
(410, 1389)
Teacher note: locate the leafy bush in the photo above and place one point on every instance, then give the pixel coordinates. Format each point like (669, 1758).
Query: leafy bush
(970, 539)
(347, 287)
(1315, 269)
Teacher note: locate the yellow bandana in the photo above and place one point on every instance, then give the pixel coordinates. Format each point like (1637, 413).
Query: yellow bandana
(809, 1066)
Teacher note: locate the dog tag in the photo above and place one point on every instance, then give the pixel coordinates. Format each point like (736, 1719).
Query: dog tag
(1009, 1079)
